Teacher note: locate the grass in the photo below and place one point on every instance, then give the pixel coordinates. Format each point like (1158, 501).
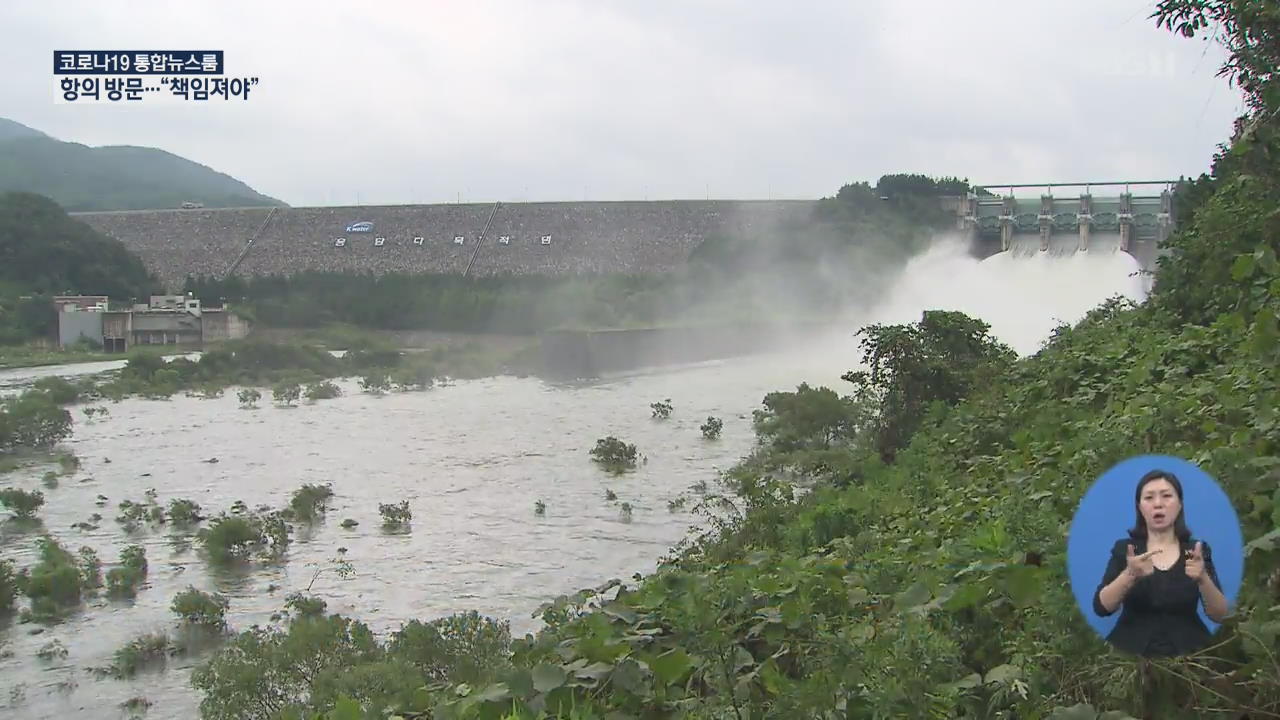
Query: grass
(24, 356)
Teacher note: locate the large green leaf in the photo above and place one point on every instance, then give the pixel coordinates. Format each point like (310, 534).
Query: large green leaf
(671, 666)
(630, 676)
(345, 709)
(497, 692)
(1024, 585)
(917, 594)
(547, 677)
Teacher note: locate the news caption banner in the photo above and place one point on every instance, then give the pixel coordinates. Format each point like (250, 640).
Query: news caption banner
(124, 76)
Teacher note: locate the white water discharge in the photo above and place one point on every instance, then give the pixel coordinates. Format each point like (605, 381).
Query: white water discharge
(1023, 295)
(471, 457)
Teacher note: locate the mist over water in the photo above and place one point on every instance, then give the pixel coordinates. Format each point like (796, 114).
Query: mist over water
(1022, 293)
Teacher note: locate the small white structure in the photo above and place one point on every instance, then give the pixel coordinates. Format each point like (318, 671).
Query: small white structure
(379, 241)
(546, 239)
(417, 240)
(504, 239)
(458, 240)
(340, 242)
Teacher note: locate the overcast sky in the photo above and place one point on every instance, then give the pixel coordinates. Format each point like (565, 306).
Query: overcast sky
(402, 101)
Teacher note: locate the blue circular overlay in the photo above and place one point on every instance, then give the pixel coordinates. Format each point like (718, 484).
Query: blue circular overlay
(1106, 513)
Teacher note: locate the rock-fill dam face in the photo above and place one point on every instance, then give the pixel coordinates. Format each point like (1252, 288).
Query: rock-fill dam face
(475, 239)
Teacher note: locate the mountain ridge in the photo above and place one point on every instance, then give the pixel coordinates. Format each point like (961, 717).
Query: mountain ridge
(82, 178)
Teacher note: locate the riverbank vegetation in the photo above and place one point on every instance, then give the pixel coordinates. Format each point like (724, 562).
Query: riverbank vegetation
(895, 548)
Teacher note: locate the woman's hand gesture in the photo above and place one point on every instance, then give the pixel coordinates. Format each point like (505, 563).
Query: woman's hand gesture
(1140, 566)
(1195, 563)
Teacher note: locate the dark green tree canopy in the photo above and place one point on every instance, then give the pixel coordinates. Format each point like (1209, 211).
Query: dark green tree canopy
(45, 251)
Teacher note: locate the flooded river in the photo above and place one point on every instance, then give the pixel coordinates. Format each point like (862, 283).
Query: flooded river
(471, 458)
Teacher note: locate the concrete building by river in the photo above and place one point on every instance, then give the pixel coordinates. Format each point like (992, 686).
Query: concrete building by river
(164, 320)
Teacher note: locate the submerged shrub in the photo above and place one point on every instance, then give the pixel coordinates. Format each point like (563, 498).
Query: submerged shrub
(613, 454)
(286, 393)
(711, 428)
(323, 391)
(661, 410)
(58, 390)
(202, 609)
(124, 581)
(375, 383)
(56, 582)
(303, 605)
(52, 650)
(238, 537)
(249, 397)
(183, 512)
(309, 502)
(395, 515)
(90, 568)
(8, 587)
(22, 503)
(145, 651)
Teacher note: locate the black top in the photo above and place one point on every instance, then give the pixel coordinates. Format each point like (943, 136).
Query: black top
(1158, 616)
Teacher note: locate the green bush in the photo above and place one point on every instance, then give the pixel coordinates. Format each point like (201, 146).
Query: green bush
(201, 609)
(123, 581)
(56, 582)
(323, 391)
(375, 383)
(712, 427)
(286, 393)
(267, 672)
(90, 569)
(229, 538)
(143, 652)
(248, 397)
(8, 586)
(238, 537)
(662, 409)
(614, 455)
(32, 420)
(22, 503)
(303, 605)
(184, 513)
(59, 390)
(395, 515)
(462, 648)
(309, 502)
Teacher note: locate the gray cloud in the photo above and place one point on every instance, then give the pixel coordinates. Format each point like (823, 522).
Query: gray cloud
(422, 101)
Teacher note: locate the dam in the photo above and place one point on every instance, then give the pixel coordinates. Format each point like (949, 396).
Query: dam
(651, 237)
(1135, 223)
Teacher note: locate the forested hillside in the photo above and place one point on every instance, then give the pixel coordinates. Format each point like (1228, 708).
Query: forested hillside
(120, 177)
(45, 252)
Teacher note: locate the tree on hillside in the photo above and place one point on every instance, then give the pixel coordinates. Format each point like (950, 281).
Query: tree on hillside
(940, 359)
(45, 251)
(1250, 31)
(1232, 214)
(922, 185)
